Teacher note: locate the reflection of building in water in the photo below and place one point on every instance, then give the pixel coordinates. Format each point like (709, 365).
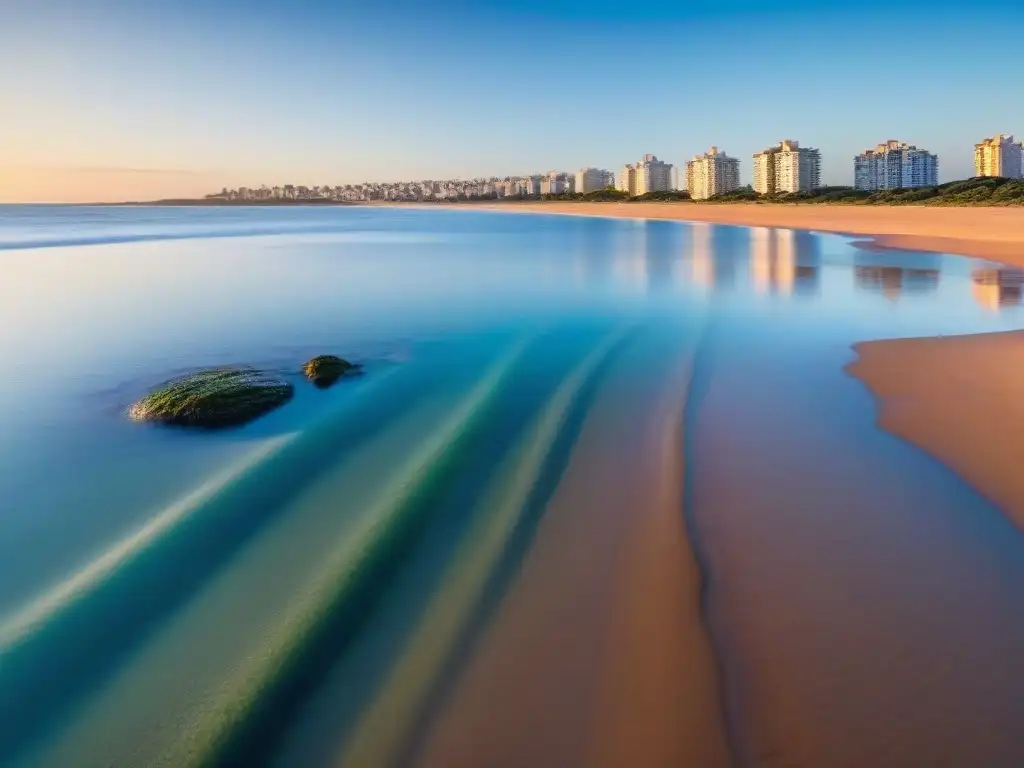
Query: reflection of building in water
(629, 265)
(595, 248)
(888, 280)
(782, 260)
(701, 256)
(713, 255)
(894, 281)
(662, 251)
(807, 279)
(997, 288)
(920, 280)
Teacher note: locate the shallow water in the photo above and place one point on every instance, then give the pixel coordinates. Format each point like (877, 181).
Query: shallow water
(308, 589)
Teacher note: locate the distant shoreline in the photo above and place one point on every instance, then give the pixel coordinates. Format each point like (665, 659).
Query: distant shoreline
(995, 233)
(216, 203)
(989, 232)
(513, 203)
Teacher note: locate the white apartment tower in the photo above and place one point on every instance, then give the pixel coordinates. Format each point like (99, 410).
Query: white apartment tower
(999, 156)
(626, 181)
(895, 165)
(649, 174)
(713, 173)
(593, 180)
(787, 168)
(653, 175)
(553, 183)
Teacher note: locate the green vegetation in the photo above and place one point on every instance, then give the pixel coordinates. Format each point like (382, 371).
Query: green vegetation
(611, 194)
(662, 197)
(214, 398)
(976, 191)
(741, 195)
(324, 370)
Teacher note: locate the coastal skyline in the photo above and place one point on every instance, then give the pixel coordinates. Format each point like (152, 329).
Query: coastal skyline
(141, 101)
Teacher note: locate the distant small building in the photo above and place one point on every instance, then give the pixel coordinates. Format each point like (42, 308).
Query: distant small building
(553, 183)
(593, 180)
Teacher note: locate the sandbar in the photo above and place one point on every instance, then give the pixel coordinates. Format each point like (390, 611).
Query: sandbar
(959, 399)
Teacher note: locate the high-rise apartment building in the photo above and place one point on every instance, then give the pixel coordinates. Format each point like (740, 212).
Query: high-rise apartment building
(593, 180)
(626, 182)
(649, 174)
(653, 175)
(713, 173)
(787, 168)
(895, 165)
(553, 183)
(999, 156)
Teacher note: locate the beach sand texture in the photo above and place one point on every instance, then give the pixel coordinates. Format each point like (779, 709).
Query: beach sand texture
(959, 398)
(599, 656)
(839, 615)
(990, 233)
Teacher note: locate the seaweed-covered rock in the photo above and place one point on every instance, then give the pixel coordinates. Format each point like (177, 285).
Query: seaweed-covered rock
(214, 398)
(324, 370)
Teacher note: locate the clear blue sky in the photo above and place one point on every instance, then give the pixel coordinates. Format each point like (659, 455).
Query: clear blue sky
(191, 94)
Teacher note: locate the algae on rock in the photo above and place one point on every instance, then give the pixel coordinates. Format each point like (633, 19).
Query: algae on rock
(324, 370)
(214, 398)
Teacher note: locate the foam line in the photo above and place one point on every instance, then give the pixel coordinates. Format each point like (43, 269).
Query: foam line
(301, 228)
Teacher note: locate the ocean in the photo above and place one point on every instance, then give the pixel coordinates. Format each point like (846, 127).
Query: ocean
(322, 586)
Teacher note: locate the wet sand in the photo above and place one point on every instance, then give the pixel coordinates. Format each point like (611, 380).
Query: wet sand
(867, 605)
(959, 399)
(598, 655)
(989, 233)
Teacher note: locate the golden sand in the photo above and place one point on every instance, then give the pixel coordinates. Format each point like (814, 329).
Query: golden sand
(857, 625)
(990, 233)
(598, 656)
(959, 399)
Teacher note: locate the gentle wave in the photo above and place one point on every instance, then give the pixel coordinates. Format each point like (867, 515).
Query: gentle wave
(234, 721)
(51, 650)
(336, 235)
(385, 726)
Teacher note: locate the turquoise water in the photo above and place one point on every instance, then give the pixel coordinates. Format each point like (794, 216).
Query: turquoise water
(173, 598)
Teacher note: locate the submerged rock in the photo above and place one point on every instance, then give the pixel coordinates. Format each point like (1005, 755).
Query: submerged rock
(214, 398)
(324, 370)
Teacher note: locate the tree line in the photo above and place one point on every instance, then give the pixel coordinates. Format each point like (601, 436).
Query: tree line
(974, 191)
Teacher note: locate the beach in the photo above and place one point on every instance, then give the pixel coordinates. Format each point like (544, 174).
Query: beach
(987, 233)
(917, 381)
(862, 666)
(609, 493)
(598, 656)
(958, 399)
